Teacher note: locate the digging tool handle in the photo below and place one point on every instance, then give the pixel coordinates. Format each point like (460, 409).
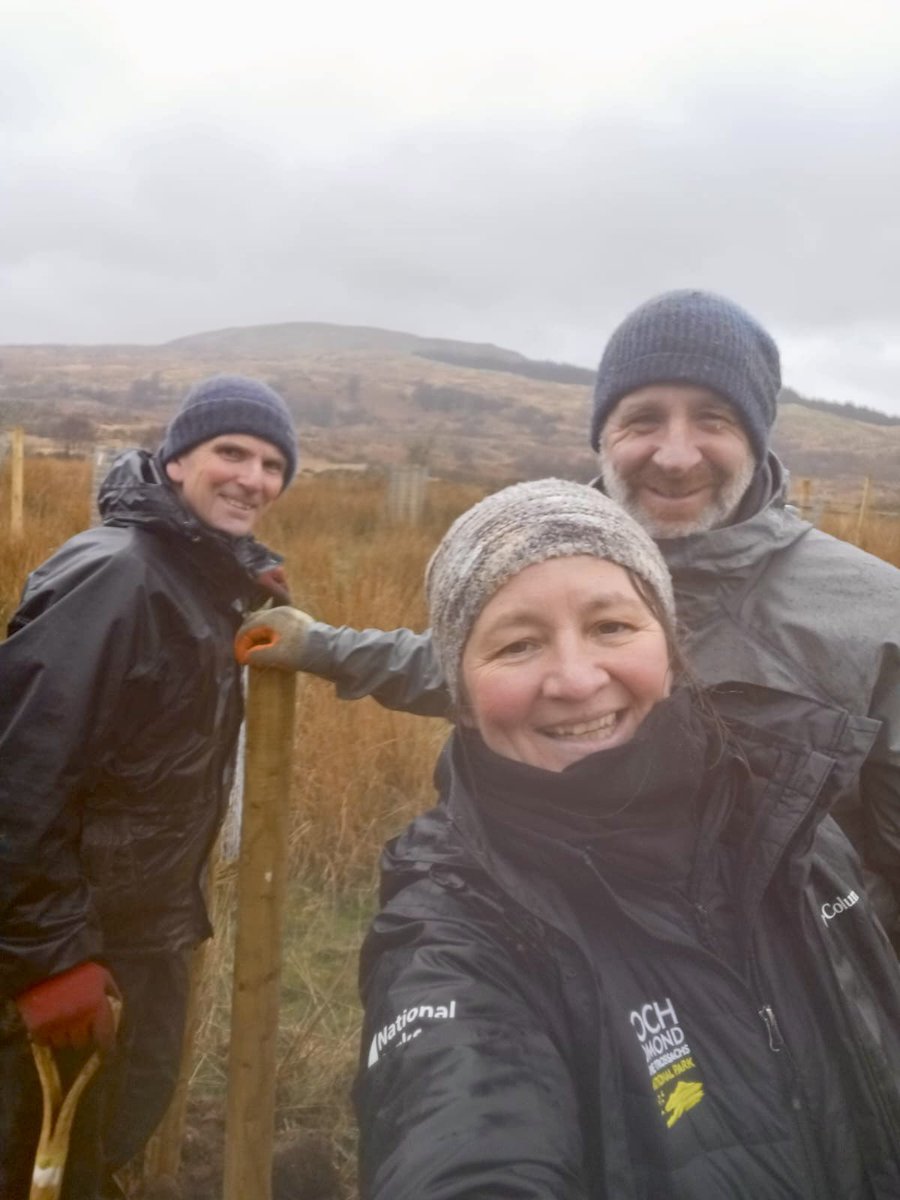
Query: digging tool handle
(59, 1113)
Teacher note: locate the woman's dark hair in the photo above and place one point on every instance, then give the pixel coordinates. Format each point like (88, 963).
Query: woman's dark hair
(681, 672)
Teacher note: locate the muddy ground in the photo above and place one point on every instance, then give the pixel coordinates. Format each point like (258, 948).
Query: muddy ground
(303, 1169)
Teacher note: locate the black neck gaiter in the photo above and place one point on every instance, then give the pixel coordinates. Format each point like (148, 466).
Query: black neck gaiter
(637, 807)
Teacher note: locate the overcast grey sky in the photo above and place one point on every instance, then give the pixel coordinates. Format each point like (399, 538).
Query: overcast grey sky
(506, 172)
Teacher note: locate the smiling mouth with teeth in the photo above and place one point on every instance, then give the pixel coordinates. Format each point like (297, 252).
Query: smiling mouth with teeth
(604, 725)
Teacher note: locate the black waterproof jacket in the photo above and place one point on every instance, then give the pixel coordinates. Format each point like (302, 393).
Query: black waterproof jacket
(690, 1000)
(120, 705)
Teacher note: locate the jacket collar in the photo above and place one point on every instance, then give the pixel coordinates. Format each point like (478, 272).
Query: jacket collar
(789, 757)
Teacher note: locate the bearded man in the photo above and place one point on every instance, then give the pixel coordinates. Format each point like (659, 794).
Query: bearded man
(684, 404)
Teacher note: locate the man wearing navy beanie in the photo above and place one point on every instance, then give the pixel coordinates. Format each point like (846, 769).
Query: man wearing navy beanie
(684, 403)
(683, 406)
(119, 715)
(229, 451)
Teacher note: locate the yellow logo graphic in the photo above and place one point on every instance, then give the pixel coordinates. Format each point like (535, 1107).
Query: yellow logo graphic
(683, 1097)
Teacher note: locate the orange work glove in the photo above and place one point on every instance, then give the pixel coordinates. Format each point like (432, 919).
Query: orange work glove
(273, 637)
(71, 1009)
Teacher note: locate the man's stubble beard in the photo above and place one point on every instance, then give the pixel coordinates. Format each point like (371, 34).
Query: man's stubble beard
(718, 511)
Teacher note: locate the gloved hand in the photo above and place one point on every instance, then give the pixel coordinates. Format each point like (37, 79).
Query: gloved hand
(273, 637)
(71, 1009)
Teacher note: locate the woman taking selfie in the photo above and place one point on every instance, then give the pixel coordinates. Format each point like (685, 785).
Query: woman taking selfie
(628, 956)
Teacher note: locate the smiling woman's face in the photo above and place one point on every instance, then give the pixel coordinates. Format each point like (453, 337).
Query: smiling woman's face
(563, 660)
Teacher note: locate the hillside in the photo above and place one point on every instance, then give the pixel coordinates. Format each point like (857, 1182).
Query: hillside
(300, 338)
(378, 397)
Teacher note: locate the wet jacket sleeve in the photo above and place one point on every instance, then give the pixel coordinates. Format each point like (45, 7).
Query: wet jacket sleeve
(461, 1091)
(880, 779)
(398, 668)
(61, 669)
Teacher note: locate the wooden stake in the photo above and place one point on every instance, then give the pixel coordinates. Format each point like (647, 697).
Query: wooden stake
(863, 505)
(17, 482)
(262, 870)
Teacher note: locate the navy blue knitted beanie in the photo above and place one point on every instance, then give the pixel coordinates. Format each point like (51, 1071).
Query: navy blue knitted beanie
(693, 337)
(231, 404)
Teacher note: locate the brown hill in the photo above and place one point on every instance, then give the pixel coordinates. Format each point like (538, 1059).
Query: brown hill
(298, 339)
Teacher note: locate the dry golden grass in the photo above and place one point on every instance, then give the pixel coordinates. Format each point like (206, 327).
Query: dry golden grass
(879, 533)
(57, 505)
(361, 771)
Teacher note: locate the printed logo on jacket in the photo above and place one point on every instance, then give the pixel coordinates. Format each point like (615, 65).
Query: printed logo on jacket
(831, 908)
(406, 1026)
(670, 1062)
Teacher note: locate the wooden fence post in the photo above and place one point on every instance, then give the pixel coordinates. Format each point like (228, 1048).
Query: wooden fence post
(805, 493)
(262, 877)
(863, 505)
(17, 483)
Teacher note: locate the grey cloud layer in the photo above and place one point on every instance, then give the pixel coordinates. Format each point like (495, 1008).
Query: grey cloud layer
(537, 234)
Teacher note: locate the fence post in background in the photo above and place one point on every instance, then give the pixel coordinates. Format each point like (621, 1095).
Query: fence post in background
(406, 493)
(17, 482)
(262, 882)
(805, 504)
(863, 506)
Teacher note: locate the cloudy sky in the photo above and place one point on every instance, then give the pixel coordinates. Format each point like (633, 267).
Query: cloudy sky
(497, 171)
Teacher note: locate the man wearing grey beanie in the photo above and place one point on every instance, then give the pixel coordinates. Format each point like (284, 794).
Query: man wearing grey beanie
(684, 403)
(119, 715)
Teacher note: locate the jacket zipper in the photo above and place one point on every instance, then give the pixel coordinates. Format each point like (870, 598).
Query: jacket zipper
(791, 1080)
(777, 1045)
(776, 1041)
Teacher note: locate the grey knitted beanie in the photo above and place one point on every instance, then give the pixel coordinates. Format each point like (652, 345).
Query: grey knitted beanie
(514, 528)
(232, 404)
(693, 337)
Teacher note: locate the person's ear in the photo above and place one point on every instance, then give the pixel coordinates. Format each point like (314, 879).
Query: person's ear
(175, 470)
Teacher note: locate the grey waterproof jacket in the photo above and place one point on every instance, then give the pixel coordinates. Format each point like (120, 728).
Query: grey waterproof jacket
(119, 712)
(769, 601)
(661, 980)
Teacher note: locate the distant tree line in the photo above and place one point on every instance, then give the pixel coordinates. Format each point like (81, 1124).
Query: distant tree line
(855, 412)
(550, 372)
(555, 372)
